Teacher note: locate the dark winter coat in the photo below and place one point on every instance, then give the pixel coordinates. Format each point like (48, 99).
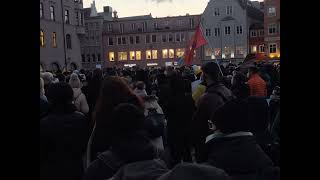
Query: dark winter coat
(127, 150)
(207, 105)
(239, 156)
(63, 139)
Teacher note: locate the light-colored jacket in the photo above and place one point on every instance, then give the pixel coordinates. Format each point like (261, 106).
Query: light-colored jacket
(80, 100)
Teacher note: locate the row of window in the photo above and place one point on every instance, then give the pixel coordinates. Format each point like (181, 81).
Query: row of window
(227, 51)
(272, 48)
(257, 33)
(79, 15)
(134, 26)
(177, 37)
(227, 31)
(149, 54)
(54, 40)
(229, 11)
(89, 57)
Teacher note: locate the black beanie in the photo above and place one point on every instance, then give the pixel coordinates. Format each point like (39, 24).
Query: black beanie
(212, 69)
(232, 117)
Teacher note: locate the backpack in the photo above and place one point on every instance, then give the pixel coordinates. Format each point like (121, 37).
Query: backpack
(155, 123)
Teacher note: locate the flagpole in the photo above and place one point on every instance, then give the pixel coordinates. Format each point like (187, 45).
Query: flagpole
(210, 47)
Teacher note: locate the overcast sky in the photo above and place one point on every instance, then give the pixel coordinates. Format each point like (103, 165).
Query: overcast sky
(158, 8)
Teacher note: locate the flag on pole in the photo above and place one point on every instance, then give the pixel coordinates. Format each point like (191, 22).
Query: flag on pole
(197, 41)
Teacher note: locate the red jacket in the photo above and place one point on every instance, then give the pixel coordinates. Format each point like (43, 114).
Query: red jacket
(258, 87)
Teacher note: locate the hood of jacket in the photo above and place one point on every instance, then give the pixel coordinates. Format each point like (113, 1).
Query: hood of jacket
(76, 92)
(237, 155)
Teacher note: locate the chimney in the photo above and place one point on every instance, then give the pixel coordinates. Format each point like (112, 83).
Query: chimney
(93, 9)
(115, 15)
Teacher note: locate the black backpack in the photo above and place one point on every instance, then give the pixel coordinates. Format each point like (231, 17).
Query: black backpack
(155, 123)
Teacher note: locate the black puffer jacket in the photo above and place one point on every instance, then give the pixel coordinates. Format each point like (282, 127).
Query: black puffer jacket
(240, 156)
(127, 150)
(63, 139)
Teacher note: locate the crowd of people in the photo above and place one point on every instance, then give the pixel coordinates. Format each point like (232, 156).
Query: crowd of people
(165, 123)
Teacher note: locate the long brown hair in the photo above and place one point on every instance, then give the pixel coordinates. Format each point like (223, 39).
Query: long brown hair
(114, 91)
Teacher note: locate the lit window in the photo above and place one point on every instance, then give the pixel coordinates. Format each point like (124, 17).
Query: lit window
(170, 37)
(239, 50)
(154, 54)
(154, 38)
(41, 10)
(179, 52)
(239, 29)
(273, 48)
(52, 15)
(227, 30)
(137, 39)
(66, 17)
(227, 51)
(217, 52)
(253, 49)
(208, 52)
(148, 54)
(132, 55)
(208, 32)
(122, 56)
(164, 38)
(272, 29)
(229, 10)
(138, 55)
(68, 39)
(148, 38)
(253, 33)
(165, 53)
(54, 39)
(171, 53)
(111, 56)
(271, 11)
(261, 48)
(110, 41)
(216, 32)
(41, 38)
(216, 12)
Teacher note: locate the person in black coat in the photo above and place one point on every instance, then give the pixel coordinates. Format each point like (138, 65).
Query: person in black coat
(232, 147)
(239, 87)
(63, 136)
(179, 116)
(129, 143)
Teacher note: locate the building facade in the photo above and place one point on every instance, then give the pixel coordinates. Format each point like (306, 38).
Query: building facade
(91, 43)
(61, 26)
(147, 41)
(225, 25)
(256, 40)
(272, 28)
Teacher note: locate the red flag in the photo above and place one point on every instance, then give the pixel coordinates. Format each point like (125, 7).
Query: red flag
(197, 41)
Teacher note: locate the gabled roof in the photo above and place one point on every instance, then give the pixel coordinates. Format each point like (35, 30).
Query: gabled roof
(255, 13)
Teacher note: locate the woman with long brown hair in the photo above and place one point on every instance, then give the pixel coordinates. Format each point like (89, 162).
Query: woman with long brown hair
(113, 92)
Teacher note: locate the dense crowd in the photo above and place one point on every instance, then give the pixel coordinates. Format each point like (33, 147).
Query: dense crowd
(212, 122)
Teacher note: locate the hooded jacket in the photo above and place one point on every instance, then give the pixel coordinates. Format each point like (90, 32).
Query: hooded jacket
(238, 155)
(80, 100)
(125, 151)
